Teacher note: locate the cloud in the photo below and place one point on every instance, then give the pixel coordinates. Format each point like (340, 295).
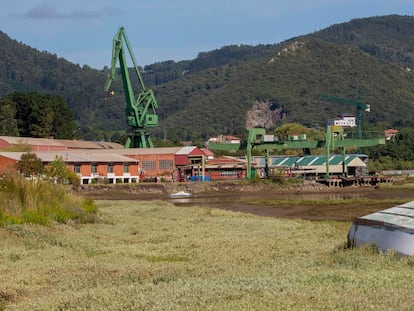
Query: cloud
(42, 11)
(45, 10)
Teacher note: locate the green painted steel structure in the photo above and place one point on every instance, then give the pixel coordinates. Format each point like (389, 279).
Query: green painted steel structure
(334, 139)
(361, 108)
(140, 111)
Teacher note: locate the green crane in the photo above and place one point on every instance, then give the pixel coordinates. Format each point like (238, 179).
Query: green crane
(140, 111)
(334, 139)
(361, 108)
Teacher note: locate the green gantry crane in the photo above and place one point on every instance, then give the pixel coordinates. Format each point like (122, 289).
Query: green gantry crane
(141, 110)
(361, 108)
(334, 139)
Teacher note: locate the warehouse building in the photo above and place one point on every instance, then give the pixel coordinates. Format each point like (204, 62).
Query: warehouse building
(315, 165)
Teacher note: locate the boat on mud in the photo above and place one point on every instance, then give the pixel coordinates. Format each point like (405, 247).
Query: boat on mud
(180, 194)
(391, 229)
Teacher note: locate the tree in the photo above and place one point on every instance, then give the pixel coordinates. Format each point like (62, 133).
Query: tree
(8, 123)
(57, 171)
(36, 115)
(30, 165)
(285, 130)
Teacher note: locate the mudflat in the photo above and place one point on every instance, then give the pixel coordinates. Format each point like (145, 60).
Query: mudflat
(309, 201)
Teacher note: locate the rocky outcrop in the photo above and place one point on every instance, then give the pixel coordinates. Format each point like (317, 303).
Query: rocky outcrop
(264, 114)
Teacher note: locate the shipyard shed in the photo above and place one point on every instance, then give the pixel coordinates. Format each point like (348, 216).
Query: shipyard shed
(355, 164)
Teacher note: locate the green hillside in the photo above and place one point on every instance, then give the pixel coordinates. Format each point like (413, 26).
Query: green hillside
(228, 89)
(387, 37)
(289, 82)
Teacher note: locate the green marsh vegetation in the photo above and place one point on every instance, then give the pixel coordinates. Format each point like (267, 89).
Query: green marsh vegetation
(328, 202)
(405, 183)
(41, 202)
(152, 255)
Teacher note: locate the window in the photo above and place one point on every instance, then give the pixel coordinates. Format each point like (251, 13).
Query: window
(194, 161)
(148, 165)
(110, 168)
(126, 168)
(228, 173)
(166, 164)
(76, 168)
(94, 168)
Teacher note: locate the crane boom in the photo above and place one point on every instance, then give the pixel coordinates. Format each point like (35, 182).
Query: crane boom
(140, 111)
(361, 108)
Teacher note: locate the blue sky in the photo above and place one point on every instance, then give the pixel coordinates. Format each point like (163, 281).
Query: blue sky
(81, 31)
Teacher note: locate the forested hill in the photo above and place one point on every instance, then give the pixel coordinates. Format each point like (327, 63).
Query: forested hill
(228, 89)
(388, 37)
(25, 69)
(286, 88)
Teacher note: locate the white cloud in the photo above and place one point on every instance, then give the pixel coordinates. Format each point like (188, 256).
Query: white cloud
(46, 10)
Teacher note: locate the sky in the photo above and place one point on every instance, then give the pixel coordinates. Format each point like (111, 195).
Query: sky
(82, 31)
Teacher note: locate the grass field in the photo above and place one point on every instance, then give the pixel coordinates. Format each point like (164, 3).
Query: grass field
(156, 256)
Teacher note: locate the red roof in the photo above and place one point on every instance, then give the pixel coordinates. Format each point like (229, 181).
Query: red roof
(207, 152)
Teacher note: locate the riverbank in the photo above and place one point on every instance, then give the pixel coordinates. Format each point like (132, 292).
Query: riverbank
(163, 190)
(310, 200)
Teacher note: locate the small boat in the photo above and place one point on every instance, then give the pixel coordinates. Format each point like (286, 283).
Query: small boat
(390, 229)
(180, 194)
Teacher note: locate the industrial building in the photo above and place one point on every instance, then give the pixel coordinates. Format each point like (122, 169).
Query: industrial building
(315, 165)
(89, 166)
(109, 162)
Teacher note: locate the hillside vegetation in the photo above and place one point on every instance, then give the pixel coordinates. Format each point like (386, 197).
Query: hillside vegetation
(388, 37)
(214, 93)
(290, 83)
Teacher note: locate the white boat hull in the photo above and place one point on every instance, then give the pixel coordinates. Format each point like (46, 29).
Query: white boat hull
(390, 229)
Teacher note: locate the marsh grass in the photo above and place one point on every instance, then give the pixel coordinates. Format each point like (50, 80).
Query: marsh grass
(326, 202)
(407, 183)
(40, 202)
(156, 256)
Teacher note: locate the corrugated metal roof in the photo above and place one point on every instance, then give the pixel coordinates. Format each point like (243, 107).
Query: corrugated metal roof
(31, 141)
(69, 143)
(143, 151)
(313, 160)
(185, 150)
(79, 144)
(109, 145)
(72, 156)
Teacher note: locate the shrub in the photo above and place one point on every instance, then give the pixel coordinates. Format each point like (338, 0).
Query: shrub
(41, 202)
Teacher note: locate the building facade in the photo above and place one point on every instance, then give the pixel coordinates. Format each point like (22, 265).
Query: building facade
(90, 167)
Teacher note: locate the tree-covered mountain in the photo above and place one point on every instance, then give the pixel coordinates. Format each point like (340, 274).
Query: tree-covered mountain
(387, 37)
(35, 115)
(234, 87)
(289, 83)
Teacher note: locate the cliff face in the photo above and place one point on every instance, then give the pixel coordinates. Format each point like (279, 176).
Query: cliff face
(264, 114)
